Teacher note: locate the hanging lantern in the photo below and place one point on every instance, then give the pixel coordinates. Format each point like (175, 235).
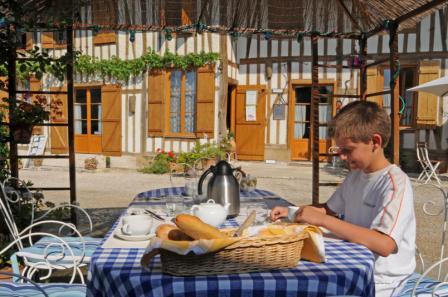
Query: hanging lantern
(168, 34)
(132, 36)
(267, 35)
(354, 60)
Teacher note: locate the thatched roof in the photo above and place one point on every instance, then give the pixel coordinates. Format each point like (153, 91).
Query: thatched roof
(340, 16)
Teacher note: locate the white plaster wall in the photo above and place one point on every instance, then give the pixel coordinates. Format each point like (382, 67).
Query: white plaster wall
(253, 47)
(412, 43)
(272, 127)
(274, 48)
(424, 34)
(252, 74)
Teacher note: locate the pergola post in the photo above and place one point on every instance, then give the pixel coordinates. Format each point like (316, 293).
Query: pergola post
(314, 119)
(394, 93)
(71, 121)
(12, 57)
(363, 72)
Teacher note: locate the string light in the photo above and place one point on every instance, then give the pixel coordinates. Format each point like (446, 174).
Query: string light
(3, 22)
(267, 35)
(168, 34)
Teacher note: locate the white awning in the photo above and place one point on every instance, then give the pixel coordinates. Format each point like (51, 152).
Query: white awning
(437, 87)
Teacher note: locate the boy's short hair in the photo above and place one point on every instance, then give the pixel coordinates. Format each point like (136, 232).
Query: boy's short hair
(359, 120)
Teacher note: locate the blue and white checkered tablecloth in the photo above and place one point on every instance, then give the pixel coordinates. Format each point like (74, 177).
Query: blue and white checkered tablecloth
(117, 272)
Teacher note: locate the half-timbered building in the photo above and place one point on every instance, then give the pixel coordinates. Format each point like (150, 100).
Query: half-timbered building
(260, 89)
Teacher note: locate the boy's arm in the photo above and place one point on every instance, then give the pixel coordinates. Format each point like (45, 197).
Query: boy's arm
(376, 241)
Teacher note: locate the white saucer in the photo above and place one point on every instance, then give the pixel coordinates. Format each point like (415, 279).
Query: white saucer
(122, 236)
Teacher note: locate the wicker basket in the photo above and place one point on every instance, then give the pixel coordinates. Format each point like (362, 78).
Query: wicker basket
(247, 255)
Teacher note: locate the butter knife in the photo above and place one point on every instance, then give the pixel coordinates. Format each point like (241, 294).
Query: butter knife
(154, 215)
(246, 224)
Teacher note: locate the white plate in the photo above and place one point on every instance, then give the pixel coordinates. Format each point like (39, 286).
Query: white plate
(122, 236)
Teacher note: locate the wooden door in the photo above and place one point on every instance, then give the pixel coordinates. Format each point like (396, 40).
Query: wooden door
(111, 117)
(250, 122)
(59, 114)
(88, 120)
(300, 122)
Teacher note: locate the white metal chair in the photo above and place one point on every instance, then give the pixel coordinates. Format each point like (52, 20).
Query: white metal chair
(429, 167)
(50, 252)
(421, 284)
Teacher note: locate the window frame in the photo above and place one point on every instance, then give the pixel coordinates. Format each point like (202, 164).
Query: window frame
(167, 127)
(88, 104)
(414, 95)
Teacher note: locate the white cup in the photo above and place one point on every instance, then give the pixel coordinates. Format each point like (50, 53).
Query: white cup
(292, 210)
(136, 224)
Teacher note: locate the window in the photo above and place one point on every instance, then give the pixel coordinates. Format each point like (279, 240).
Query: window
(88, 111)
(60, 37)
(182, 102)
(302, 111)
(407, 80)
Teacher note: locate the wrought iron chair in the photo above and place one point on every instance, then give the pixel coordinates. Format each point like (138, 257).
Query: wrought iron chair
(421, 284)
(50, 252)
(429, 167)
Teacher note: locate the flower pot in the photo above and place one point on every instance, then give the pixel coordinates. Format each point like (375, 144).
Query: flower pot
(22, 133)
(176, 167)
(207, 163)
(232, 145)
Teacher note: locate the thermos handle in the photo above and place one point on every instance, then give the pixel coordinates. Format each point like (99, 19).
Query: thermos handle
(201, 180)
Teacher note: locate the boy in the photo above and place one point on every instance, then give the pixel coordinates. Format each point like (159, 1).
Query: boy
(375, 199)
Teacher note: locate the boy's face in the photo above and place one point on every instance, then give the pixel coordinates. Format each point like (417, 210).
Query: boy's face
(358, 155)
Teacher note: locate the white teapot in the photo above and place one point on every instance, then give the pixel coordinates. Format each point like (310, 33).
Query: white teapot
(210, 212)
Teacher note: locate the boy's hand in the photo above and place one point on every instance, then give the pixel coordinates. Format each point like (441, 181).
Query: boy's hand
(279, 212)
(310, 215)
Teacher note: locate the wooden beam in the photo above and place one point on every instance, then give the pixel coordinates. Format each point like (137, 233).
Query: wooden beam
(419, 10)
(334, 66)
(363, 72)
(404, 17)
(12, 56)
(378, 93)
(377, 62)
(71, 121)
(394, 94)
(314, 135)
(223, 89)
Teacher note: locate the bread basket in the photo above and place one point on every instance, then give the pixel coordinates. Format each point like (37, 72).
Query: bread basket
(250, 254)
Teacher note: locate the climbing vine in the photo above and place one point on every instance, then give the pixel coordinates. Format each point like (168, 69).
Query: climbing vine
(122, 70)
(114, 68)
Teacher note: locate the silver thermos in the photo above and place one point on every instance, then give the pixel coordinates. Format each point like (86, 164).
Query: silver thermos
(223, 187)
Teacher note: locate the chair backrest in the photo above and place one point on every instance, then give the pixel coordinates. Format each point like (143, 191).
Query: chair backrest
(422, 152)
(12, 193)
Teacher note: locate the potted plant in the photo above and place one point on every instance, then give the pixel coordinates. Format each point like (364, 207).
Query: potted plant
(25, 115)
(163, 162)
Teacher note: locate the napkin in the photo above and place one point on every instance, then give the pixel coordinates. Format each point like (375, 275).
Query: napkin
(314, 246)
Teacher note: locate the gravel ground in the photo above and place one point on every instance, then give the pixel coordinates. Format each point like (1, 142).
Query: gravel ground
(107, 192)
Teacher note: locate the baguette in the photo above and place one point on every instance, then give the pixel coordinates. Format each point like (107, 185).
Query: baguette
(171, 232)
(197, 229)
